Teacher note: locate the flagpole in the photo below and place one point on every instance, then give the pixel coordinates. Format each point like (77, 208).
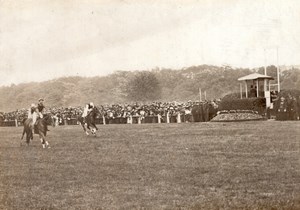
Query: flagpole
(278, 73)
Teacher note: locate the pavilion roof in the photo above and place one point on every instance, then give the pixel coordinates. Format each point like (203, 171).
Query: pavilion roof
(255, 76)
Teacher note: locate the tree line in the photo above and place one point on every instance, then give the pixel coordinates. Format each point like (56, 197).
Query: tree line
(143, 86)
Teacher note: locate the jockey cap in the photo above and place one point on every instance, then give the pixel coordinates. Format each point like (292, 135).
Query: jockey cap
(33, 105)
(41, 99)
(92, 104)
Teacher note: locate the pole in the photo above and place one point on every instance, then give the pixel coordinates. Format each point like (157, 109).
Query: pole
(265, 82)
(257, 92)
(205, 95)
(278, 73)
(241, 90)
(200, 94)
(265, 68)
(246, 88)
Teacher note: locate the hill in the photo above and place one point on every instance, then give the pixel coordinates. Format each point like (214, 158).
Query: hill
(176, 85)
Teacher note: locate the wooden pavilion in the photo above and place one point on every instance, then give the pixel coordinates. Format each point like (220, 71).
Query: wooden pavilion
(260, 81)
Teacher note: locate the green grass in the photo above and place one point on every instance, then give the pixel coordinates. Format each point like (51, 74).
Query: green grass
(249, 165)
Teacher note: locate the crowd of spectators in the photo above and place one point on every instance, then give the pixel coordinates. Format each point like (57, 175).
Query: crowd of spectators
(121, 113)
(285, 108)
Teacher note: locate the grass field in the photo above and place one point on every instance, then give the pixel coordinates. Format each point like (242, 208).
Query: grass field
(249, 165)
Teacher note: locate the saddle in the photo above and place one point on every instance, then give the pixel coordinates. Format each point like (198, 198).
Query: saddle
(36, 131)
(35, 128)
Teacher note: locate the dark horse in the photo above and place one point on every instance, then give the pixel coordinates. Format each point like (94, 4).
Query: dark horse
(41, 129)
(90, 121)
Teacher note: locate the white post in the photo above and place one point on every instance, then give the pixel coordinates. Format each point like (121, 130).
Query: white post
(205, 95)
(178, 118)
(139, 120)
(129, 120)
(200, 94)
(158, 118)
(103, 118)
(246, 88)
(168, 119)
(241, 90)
(56, 121)
(265, 84)
(16, 121)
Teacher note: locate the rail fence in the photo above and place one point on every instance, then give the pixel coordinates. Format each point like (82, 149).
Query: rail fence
(116, 120)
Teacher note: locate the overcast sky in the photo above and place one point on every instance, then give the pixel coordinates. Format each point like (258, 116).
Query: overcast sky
(41, 40)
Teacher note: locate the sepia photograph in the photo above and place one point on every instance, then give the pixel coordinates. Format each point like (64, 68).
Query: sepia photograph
(149, 104)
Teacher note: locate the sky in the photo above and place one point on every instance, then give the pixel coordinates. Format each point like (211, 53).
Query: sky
(46, 39)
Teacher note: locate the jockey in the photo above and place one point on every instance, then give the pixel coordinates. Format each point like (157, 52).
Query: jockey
(91, 106)
(40, 108)
(37, 112)
(87, 109)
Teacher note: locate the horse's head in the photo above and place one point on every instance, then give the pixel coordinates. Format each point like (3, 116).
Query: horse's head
(48, 119)
(95, 112)
(91, 117)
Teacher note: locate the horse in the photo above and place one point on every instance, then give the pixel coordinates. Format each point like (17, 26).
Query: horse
(41, 129)
(89, 120)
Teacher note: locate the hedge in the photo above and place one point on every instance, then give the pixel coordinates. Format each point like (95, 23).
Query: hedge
(292, 92)
(236, 95)
(255, 104)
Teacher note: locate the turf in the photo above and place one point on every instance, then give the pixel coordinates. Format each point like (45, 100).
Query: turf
(248, 165)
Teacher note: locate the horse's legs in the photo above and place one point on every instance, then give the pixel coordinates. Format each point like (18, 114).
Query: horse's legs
(23, 136)
(86, 132)
(47, 144)
(84, 129)
(93, 128)
(43, 141)
(94, 125)
(28, 137)
(94, 131)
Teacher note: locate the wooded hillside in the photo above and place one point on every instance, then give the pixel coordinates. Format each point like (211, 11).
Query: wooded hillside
(174, 85)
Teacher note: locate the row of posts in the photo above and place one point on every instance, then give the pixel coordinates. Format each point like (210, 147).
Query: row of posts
(139, 118)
